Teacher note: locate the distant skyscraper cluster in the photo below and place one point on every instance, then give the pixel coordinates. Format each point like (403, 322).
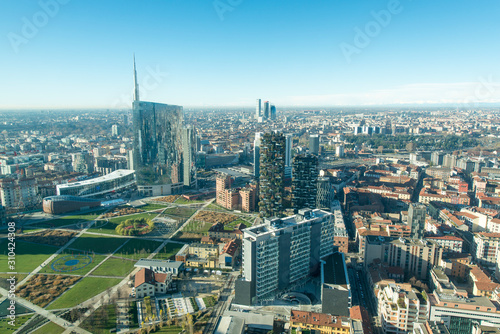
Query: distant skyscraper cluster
(265, 112)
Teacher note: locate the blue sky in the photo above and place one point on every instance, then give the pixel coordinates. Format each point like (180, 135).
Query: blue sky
(290, 52)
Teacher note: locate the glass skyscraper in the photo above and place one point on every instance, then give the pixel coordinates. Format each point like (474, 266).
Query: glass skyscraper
(157, 142)
(158, 146)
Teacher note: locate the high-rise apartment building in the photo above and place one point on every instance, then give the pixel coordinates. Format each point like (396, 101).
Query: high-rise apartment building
(82, 162)
(272, 174)
(486, 248)
(314, 144)
(19, 194)
(437, 158)
(416, 219)
(416, 257)
(189, 156)
(256, 154)
(339, 151)
(288, 155)
(267, 110)
(283, 252)
(305, 174)
(158, 154)
(399, 307)
(258, 109)
(273, 112)
(324, 193)
(115, 130)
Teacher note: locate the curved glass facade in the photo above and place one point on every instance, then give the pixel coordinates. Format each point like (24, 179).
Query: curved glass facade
(114, 181)
(157, 143)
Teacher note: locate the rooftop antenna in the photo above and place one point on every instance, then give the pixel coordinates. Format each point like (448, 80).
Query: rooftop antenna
(136, 85)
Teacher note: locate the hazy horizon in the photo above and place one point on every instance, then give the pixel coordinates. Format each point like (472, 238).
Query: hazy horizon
(70, 54)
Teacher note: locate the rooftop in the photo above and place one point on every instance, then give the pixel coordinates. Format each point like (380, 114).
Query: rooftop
(108, 177)
(158, 263)
(334, 270)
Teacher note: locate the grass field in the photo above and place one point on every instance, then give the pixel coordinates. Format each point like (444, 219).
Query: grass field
(109, 228)
(233, 224)
(103, 320)
(50, 327)
(69, 220)
(3, 279)
(169, 251)
(179, 211)
(95, 261)
(97, 243)
(137, 248)
(169, 330)
(182, 200)
(83, 290)
(150, 207)
(196, 226)
(19, 309)
(115, 267)
(217, 207)
(28, 256)
(19, 321)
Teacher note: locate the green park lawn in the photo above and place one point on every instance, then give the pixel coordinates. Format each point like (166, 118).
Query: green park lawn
(85, 289)
(96, 259)
(109, 227)
(19, 321)
(216, 207)
(233, 224)
(182, 200)
(196, 226)
(151, 207)
(180, 211)
(97, 243)
(169, 251)
(115, 267)
(70, 220)
(137, 248)
(169, 330)
(103, 320)
(28, 256)
(50, 327)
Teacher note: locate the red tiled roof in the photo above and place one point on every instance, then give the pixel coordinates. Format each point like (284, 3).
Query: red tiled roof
(312, 318)
(144, 276)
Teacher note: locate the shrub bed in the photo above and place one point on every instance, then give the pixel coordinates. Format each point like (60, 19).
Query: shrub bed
(135, 226)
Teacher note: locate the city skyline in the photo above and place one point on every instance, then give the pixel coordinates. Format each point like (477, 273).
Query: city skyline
(67, 54)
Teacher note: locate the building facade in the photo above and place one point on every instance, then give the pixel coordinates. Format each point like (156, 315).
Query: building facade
(305, 174)
(158, 154)
(416, 219)
(399, 308)
(283, 252)
(272, 174)
(415, 257)
(116, 181)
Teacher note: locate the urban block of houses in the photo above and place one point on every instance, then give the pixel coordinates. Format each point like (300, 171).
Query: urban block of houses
(208, 254)
(149, 283)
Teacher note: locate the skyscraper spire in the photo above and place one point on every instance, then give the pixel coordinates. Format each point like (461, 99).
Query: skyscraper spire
(136, 85)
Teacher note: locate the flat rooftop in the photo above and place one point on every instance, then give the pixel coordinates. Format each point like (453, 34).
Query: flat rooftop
(275, 224)
(158, 263)
(334, 270)
(108, 177)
